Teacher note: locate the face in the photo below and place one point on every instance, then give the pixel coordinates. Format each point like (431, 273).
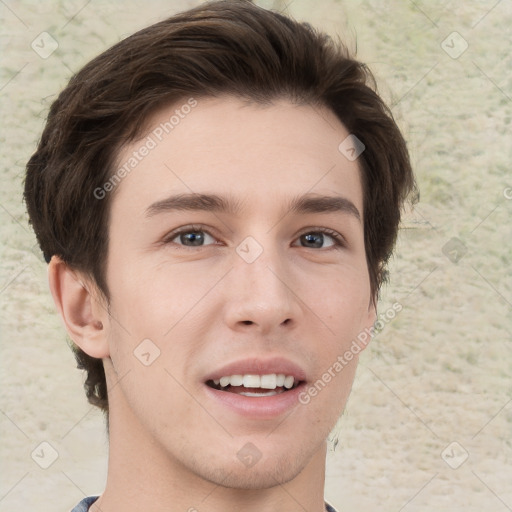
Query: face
(215, 301)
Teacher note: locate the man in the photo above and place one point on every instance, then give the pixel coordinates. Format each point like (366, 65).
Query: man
(217, 196)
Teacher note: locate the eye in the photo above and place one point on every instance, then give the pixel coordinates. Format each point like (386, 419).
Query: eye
(314, 239)
(195, 236)
(189, 236)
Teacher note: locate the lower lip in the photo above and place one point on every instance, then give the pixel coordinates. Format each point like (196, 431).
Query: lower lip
(258, 407)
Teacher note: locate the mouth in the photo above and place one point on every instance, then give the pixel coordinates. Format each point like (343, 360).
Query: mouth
(255, 386)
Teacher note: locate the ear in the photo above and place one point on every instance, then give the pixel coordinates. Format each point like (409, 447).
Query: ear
(84, 316)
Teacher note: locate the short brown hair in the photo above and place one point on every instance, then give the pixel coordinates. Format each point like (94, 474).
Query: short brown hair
(221, 47)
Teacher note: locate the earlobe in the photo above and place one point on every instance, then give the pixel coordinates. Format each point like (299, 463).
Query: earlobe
(84, 320)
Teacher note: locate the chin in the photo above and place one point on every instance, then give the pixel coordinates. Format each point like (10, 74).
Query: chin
(267, 472)
(262, 478)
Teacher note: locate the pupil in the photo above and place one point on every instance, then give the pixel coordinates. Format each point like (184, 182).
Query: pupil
(193, 237)
(318, 237)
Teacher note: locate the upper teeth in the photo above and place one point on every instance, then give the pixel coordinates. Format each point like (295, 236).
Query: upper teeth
(270, 381)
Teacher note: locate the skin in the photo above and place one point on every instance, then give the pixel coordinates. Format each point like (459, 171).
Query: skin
(172, 447)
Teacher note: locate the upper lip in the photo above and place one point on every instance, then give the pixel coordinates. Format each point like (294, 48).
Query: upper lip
(259, 366)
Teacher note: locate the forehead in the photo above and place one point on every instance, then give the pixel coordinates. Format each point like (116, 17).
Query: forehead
(259, 154)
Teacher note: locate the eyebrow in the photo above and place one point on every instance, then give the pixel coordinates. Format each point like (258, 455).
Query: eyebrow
(214, 203)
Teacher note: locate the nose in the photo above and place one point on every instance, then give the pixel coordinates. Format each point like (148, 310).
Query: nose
(260, 292)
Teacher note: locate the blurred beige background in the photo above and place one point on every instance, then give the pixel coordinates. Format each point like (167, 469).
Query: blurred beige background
(429, 422)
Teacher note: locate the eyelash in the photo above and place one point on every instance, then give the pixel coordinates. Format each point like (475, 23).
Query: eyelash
(339, 240)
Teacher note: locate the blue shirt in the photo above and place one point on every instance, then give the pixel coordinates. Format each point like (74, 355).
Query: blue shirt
(84, 505)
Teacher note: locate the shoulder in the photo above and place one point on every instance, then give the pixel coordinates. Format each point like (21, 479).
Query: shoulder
(84, 505)
(329, 508)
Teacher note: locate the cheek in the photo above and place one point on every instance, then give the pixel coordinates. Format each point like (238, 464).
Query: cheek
(153, 394)
(152, 299)
(342, 302)
(326, 396)
(343, 308)
(153, 311)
